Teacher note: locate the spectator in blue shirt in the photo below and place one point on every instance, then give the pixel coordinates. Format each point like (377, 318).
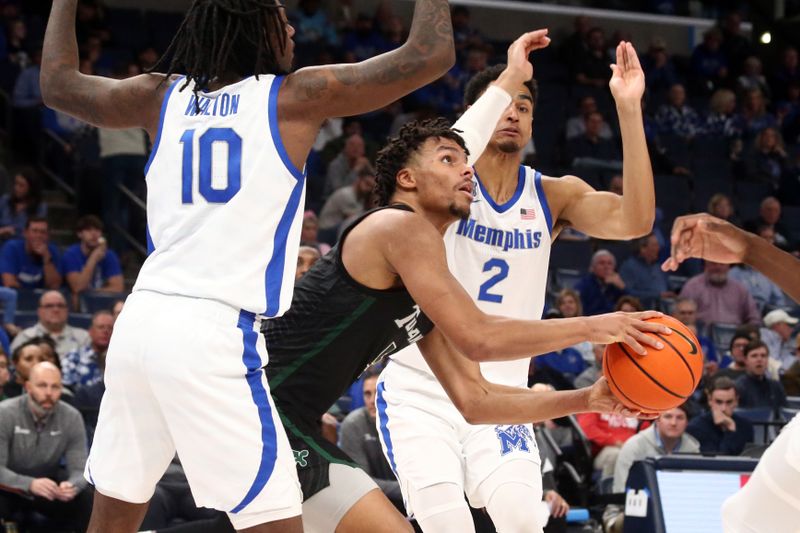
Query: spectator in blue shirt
(602, 286)
(24, 201)
(675, 117)
(31, 262)
(720, 430)
(89, 264)
(642, 273)
(709, 64)
(84, 367)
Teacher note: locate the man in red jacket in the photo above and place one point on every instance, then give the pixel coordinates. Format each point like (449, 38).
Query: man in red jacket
(607, 433)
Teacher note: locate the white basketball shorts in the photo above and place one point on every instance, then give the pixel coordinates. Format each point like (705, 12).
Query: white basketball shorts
(427, 441)
(186, 374)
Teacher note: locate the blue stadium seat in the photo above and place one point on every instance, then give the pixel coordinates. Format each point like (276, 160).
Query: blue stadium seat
(721, 335)
(26, 319)
(92, 301)
(793, 402)
(790, 215)
(707, 186)
(80, 320)
(567, 278)
(574, 255)
(763, 433)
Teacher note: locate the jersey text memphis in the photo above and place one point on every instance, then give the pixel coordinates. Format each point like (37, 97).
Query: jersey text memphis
(500, 256)
(224, 200)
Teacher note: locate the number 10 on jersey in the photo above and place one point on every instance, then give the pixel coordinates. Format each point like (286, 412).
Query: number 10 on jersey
(206, 165)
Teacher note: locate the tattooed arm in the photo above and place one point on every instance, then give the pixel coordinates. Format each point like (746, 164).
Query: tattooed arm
(317, 93)
(104, 102)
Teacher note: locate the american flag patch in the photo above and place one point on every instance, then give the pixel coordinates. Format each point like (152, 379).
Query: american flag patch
(527, 214)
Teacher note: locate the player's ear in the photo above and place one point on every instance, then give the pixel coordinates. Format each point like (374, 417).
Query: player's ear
(406, 179)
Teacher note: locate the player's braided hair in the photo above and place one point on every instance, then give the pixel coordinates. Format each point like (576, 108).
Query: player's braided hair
(396, 155)
(220, 38)
(480, 81)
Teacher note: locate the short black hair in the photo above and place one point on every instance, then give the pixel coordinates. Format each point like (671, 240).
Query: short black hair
(397, 153)
(755, 345)
(480, 82)
(89, 222)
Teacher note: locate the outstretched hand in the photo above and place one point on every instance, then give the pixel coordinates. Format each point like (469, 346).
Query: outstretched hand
(627, 80)
(520, 49)
(705, 237)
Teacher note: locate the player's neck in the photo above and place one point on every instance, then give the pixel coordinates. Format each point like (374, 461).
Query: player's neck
(499, 173)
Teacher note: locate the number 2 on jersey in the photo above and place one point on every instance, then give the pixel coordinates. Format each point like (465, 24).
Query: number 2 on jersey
(206, 166)
(502, 267)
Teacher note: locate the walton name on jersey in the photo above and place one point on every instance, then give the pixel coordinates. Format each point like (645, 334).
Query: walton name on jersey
(221, 106)
(514, 240)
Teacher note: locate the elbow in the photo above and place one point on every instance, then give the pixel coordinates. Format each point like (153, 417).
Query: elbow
(48, 87)
(469, 407)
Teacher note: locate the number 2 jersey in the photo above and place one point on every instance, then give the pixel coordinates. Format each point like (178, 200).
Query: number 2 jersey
(224, 207)
(500, 255)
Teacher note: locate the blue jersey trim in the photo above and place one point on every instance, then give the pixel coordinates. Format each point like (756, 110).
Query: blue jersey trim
(380, 402)
(150, 246)
(161, 123)
(255, 379)
(506, 206)
(275, 131)
(273, 277)
(537, 179)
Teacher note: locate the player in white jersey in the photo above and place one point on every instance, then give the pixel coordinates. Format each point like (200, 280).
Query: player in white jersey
(500, 255)
(768, 502)
(226, 189)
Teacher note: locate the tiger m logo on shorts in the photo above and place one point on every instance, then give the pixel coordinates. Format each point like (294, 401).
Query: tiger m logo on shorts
(513, 438)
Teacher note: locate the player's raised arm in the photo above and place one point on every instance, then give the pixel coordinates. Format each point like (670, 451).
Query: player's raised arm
(103, 102)
(317, 93)
(482, 402)
(707, 237)
(606, 215)
(421, 263)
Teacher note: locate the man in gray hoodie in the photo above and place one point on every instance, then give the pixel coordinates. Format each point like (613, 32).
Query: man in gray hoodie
(37, 431)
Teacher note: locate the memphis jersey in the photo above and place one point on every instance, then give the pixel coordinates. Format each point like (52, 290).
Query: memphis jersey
(500, 255)
(224, 200)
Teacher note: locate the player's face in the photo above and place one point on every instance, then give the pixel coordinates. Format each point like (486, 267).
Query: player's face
(515, 128)
(724, 400)
(444, 179)
(671, 424)
(286, 58)
(755, 361)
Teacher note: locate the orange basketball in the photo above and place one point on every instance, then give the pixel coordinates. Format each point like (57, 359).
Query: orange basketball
(661, 379)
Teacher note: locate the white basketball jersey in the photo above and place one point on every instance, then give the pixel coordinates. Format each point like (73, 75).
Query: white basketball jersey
(224, 207)
(500, 255)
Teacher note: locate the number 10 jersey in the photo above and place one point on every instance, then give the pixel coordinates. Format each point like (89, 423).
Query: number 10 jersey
(224, 207)
(500, 255)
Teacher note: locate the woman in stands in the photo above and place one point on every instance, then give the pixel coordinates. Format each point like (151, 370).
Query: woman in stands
(24, 201)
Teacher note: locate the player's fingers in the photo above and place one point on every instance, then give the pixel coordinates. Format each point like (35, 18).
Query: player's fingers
(616, 72)
(647, 340)
(631, 341)
(620, 60)
(652, 327)
(633, 56)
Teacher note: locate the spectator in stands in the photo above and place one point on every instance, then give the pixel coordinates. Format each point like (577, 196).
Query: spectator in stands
(32, 262)
(659, 68)
(720, 299)
(665, 437)
(40, 434)
(642, 273)
(363, 41)
(787, 73)
(27, 106)
(777, 335)
(344, 168)
(568, 305)
(615, 184)
(23, 358)
(16, 33)
(464, 35)
(675, 117)
(763, 290)
(90, 264)
(607, 433)
(737, 368)
(791, 378)
(594, 371)
(721, 119)
(685, 310)
(48, 347)
(84, 366)
(24, 201)
(720, 430)
(590, 148)
(53, 313)
(348, 201)
(755, 388)
(709, 65)
(306, 257)
(736, 47)
(766, 161)
(602, 286)
(5, 374)
(358, 438)
(311, 25)
(576, 45)
(592, 69)
(116, 309)
(309, 233)
(754, 115)
(576, 125)
(720, 206)
(752, 77)
(769, 214)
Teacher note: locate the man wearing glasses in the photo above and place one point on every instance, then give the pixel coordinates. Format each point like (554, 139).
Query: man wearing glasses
(53, 314)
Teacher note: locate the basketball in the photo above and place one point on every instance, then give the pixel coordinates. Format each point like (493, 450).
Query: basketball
(660, 379)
